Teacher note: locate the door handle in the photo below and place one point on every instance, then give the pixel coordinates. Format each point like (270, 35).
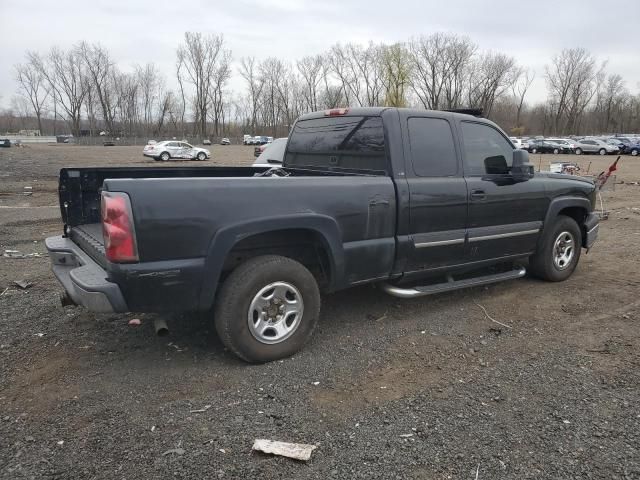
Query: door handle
(478, 195)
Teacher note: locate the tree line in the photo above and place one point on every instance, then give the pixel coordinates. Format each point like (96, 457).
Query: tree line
(84, 89)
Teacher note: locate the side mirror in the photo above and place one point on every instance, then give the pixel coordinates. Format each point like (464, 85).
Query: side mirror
(521, 169)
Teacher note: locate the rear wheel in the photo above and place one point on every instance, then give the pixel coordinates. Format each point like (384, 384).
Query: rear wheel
(534, 150)
(267, 308)
(578, 151)
(165, 157)
(558, 251)
(602, 151)
(556, 151)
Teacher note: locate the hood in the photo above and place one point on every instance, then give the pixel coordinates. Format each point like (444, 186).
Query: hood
(564, 176)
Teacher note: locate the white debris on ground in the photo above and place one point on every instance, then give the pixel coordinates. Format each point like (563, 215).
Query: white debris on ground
(297, 451)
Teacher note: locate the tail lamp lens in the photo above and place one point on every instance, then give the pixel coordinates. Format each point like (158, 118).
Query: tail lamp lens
(117, 228)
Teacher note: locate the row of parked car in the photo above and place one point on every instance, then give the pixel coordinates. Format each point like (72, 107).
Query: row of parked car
(626, 145)
(258, 140)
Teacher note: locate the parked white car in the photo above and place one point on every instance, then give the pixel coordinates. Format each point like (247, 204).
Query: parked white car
(519, 143)
(172, 149)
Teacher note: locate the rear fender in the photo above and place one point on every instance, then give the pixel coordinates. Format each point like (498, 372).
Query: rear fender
(225, 239)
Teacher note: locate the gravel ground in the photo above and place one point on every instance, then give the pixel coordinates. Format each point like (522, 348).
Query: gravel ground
(428, 388)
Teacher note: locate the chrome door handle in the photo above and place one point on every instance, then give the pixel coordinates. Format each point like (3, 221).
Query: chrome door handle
(478, 195)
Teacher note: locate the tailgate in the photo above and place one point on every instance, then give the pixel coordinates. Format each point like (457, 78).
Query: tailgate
(90, 239)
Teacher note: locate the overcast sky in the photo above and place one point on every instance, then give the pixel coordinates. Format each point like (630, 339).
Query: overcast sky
(149, 31)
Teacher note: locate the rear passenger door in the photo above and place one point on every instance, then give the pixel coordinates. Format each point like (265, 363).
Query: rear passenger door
(505, 216)
(437, 194)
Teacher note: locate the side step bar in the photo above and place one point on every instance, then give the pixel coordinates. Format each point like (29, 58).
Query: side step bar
(452, 284)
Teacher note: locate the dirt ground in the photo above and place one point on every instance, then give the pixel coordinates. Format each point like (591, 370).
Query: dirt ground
(429, 388)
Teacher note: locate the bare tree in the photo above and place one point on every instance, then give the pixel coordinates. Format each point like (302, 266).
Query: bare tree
(103, 73)
(200, 59)
(33, 86)
(571, 82)
(66, 76)
(358, 70)
(491, 75)
(520, 89)
(255, 86)
(610, 96)
(150, 86)
(311, 70)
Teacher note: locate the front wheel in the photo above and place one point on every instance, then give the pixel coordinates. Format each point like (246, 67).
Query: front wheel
(556, 151)
(578, 151)
(201, 156)
(534, 150)
(267, 308)
(602, 151)
(634, 152)
(558, 251)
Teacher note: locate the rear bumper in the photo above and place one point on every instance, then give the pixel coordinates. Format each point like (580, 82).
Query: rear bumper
(590, 230)
(83, 279)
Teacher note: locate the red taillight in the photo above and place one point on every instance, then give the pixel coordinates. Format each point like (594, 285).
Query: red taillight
(335, 112)
(117, 228)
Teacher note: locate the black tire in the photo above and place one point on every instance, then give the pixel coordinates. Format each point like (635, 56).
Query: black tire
(201, 156)
(543, 265)
(556, 151)
(602, 151)
(242, 287)
(578, 151)
(165, 157)
(634, 152)
(534, 150)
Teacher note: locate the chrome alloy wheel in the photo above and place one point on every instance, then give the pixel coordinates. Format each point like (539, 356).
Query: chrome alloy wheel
(563, 250)
(275, 312)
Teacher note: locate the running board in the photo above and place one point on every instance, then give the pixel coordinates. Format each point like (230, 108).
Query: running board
(452, 284)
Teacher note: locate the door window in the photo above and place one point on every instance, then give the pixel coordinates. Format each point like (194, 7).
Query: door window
(433, 153)
(487, 152)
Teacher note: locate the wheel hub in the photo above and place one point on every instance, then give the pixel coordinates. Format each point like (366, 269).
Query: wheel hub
(275, 312)
(563, 250)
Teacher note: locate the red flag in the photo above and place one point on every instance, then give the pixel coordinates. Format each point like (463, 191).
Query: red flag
(604, 176)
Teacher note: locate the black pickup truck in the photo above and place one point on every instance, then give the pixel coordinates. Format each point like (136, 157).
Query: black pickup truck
(418, 202)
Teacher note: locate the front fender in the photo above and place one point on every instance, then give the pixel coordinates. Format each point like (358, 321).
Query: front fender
(226, 238)
(558, 204)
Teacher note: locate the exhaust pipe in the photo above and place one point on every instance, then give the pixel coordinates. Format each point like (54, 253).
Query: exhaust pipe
(160, 326)
(66, 300)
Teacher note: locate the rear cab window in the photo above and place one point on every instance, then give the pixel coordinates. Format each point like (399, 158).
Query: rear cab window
(433, 152)
(341, 142)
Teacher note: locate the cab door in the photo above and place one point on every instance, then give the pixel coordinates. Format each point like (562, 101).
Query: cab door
(505, 216)
(437, 194)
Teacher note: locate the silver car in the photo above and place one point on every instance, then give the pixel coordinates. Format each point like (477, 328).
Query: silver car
(593, 145)
(273, 154)
(170, 149)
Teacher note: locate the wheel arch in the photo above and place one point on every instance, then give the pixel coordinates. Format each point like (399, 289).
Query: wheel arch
(292, 236)
(577, 208)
